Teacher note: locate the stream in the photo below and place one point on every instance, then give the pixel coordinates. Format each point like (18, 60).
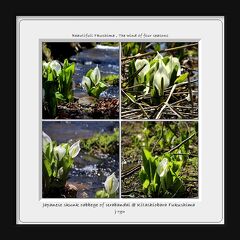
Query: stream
(107, 59)
(89, 172)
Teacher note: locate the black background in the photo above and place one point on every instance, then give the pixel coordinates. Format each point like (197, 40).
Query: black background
(115, 8)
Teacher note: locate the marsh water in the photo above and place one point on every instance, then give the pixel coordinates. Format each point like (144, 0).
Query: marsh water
(89, 172)
(106, 58)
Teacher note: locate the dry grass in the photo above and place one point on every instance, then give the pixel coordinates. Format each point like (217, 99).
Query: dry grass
(180, 101)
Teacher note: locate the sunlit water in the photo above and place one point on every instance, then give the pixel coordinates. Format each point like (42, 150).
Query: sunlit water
(89, 172)
(107, 59)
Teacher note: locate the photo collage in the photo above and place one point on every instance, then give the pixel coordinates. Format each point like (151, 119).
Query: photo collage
(119, 119)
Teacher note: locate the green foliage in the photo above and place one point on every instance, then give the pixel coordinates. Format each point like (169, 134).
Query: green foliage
(152, 142)
(157, 47)
(131, 48)
(181, 78)
(57, 162)
(157, 140)
(103, 142)
(153, 76)
(160, 175)
(65, 81)
(93, 83)
(102, 194)
(57, 84)
(112, 79)
(164, 71)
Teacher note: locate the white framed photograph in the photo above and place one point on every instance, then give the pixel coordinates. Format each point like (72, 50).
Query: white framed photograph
(120, 120)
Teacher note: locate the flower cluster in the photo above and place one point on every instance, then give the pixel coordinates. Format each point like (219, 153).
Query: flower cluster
(92, 82)
(57, 84)
(157, 72)
(57, 161)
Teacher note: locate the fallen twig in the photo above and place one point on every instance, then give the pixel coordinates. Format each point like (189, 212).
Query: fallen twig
(180, 144)
(160, 112)
(132, 100)
(162, 51)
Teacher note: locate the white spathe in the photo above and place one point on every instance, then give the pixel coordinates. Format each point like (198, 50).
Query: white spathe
(95, 75)
(151, 71)
(158, 56)
(86, 82)
(139, 64)
(111, 184)
(162, 168)
(172, 63)
(59, 152)
(75, 149)
(45, 141)
(161, 75)
(55, 65)
(45, 64)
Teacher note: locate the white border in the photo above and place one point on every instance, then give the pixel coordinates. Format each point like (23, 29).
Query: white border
(209, 209)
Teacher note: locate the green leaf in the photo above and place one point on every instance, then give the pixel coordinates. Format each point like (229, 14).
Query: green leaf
(161, 144)
(153, 186)
(143, 175)
(59, 96)
(157, 179)
(157, 47)
(153, 167)
(50, 76)
(146, 184)
(97, 90)
(47, 168)
(169, 179)
(71, 68)
(101, 194)
(177, 165)
(48, 151)
(173, 75)
(65, 64)
(181, 78)
(153, 62)
(151, 140)
(112, 79)
(165, 60)
(89, 73)
(70, 96)
(146, 161)
(169, 137)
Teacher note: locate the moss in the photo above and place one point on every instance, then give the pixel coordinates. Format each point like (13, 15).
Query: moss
(104, 143)
(111, 79)
(114, 44)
